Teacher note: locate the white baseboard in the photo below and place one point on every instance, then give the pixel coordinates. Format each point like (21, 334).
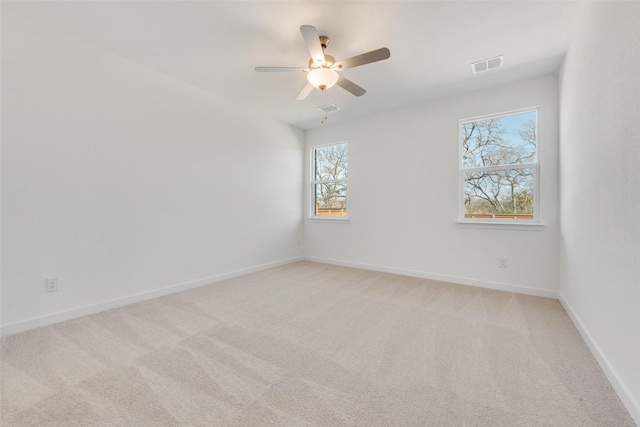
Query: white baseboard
(632, 405)
(49, 319)
(443, 278)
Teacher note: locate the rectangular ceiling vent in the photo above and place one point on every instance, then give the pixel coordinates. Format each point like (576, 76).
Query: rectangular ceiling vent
(329, 108)
(487, 64)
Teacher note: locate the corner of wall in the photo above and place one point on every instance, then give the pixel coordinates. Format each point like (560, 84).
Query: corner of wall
(623, 392)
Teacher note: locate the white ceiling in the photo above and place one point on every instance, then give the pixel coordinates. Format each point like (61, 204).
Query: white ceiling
(215, 45)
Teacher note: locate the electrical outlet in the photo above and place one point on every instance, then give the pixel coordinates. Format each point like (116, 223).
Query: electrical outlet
(51, 285)
(502, 262)
(299, 243)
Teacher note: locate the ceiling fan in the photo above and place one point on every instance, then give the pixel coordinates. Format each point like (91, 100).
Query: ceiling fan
(322, 72)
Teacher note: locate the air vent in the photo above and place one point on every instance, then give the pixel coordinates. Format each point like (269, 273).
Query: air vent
(329, 108)
(487, 64)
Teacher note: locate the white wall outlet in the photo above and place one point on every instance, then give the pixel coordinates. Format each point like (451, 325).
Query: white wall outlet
(502, 262)
(51, 285)
(299, 243)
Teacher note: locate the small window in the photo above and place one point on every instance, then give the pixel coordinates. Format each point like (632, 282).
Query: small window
(329, 183)
(499, 167)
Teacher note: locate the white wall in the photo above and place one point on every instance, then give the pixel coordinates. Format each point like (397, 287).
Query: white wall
(403, 195)
(600, 190)
(121, 181)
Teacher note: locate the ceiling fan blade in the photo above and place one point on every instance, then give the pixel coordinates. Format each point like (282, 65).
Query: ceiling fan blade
(312, 40)
(365, 58)
(279, 69)
(304, 92)
(350, 86)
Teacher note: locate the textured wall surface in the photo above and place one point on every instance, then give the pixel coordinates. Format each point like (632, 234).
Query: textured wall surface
(407, 160)
(600, 181)
(121, 181)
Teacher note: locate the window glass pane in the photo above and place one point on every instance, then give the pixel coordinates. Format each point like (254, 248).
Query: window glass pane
(331, 199)
(499, 194)
(505, 140)
(330, 162)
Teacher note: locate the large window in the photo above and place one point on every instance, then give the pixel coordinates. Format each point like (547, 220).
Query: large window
(329, 182)
(499, 167)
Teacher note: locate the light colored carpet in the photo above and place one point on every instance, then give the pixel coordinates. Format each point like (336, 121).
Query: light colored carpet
(312, 344)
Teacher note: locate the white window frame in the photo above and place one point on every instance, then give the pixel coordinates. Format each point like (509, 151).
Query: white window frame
(312, 198)
(524, 224)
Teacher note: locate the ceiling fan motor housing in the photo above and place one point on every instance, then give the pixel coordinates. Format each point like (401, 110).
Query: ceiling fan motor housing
(328, 62)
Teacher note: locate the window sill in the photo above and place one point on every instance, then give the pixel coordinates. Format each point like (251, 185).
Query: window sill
(522, 226)
(341, 219)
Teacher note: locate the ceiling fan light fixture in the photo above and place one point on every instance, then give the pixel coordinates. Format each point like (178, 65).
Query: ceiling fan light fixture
(322, 72)
(322, 77)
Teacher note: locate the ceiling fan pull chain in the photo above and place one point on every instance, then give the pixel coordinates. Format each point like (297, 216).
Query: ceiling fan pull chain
(324, 99)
